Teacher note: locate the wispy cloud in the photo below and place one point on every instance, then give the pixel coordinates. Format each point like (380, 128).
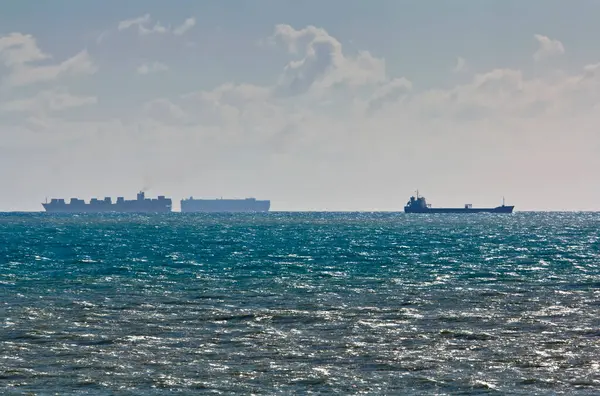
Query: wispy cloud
(548, 48)
(80, 64)
(461, 65)
(21, 55)
(17, 49)
(48, 101)
(126, 24)
(187, 25)
(149, 68)
(146, 26)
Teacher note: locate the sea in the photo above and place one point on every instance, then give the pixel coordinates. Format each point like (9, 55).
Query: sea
(300, 303)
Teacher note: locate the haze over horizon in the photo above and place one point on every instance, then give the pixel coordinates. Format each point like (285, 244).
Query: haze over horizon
(338, 105)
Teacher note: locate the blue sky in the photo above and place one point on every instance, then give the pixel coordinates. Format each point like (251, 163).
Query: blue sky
(337, 105)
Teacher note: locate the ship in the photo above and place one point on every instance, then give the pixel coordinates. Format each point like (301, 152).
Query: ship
(220, 205)
(419, 204)
(141, 204)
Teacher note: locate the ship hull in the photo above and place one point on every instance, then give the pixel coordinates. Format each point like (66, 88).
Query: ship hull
(224, 206)
(499, 209)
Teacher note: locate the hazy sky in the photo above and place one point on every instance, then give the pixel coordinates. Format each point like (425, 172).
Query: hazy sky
(316, 105)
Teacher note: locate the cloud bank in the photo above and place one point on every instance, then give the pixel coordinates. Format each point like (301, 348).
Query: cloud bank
(333, 130)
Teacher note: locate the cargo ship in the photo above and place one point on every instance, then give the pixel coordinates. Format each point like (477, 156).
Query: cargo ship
(419, 205)
(140, 205)
(220, 205)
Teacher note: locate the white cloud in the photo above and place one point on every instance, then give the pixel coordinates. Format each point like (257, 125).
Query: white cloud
(126, 24)
(47, 102)
(461, 65)
(503, 93)
(548, 48)
(154, 67)
(157, 28)
(142, 23)
(145, 26)
(227, 106)
(167, 112)
(24, 74)
(20, 54)
(334, 131)
(322, 63)
(322, 76)
(18, 48)
(187, 25)
(233, 94)
(389, 93)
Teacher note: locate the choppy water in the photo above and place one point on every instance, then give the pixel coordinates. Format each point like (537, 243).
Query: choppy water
(300, 303)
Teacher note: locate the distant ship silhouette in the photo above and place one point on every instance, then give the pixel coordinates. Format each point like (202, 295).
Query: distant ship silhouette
(191, 205)
(140, 205)
(418, 204)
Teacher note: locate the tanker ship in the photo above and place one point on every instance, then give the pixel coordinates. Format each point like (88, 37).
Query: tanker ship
(220, 205)
(419, 205)
(140, 205)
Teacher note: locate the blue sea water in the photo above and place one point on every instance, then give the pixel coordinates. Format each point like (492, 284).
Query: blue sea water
(300, 303)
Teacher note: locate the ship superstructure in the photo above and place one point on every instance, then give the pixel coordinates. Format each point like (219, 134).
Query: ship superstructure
(419, 204)
(141, 204)
(224, 205)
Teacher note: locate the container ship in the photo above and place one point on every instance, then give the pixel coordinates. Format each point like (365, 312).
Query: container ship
(140, 205)
(419, 205)
(192, 205)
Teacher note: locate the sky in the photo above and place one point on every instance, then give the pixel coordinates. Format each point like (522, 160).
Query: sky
(336, 105)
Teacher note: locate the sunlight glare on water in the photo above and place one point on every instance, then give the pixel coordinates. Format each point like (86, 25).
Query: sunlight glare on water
(286, 303)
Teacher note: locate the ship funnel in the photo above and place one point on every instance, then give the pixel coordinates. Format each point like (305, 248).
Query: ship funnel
(140, 196)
